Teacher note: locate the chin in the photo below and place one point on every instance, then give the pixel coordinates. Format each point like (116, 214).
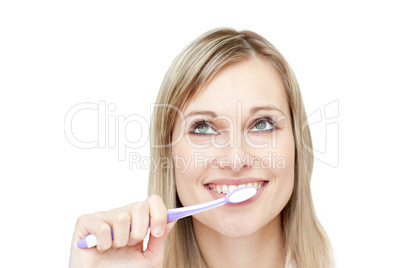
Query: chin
(234, 225)
(237, 231)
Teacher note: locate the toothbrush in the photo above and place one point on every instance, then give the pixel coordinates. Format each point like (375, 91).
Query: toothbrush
(237, 196)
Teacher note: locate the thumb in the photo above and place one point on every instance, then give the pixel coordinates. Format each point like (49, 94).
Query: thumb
(156, 245)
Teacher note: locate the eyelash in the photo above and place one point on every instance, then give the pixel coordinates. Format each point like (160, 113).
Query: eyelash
(199, 123)
(267, 119)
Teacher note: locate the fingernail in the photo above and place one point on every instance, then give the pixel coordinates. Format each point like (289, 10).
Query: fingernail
(158, 231)
(132, 242)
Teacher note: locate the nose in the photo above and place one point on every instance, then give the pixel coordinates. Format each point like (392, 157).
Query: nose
(235, 157)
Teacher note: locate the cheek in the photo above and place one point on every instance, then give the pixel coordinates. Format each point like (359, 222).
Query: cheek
(278, 163)
(187, 172)
(278, 156)
(282, 161)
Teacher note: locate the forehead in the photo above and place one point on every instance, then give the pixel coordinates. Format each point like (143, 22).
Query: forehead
(253, 82)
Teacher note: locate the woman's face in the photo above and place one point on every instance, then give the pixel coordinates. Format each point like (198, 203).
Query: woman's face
(236, 132)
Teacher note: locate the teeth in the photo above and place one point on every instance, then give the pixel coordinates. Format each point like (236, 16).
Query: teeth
(232, 188)
(218, 189)
(226, 189)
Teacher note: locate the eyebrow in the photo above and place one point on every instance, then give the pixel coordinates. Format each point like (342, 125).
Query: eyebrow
(252, 111)
(209, 113)
(267, 107)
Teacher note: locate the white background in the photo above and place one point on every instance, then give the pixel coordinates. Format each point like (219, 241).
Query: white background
(56, 54)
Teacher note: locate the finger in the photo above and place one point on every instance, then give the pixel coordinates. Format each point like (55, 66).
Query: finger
(121, 229)
(158, 215)
(90, 224)
(156, 245)
(139, 222)
(104, 236)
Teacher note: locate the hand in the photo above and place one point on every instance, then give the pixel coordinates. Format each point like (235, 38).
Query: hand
(126, 250)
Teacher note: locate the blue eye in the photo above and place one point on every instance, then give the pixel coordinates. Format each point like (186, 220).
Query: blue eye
(263, 124)
(203, 128)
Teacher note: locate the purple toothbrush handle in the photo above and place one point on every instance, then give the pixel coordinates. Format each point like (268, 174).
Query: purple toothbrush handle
(178, 213)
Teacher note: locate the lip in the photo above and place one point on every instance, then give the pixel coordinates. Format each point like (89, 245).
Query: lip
(236, 181)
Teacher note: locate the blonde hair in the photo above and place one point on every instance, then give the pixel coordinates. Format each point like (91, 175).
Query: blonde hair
(306, 242)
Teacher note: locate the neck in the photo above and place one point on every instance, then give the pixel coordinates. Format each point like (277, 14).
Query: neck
(263, 248)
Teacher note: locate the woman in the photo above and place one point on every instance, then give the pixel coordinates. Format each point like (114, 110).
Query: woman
(229, 114)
